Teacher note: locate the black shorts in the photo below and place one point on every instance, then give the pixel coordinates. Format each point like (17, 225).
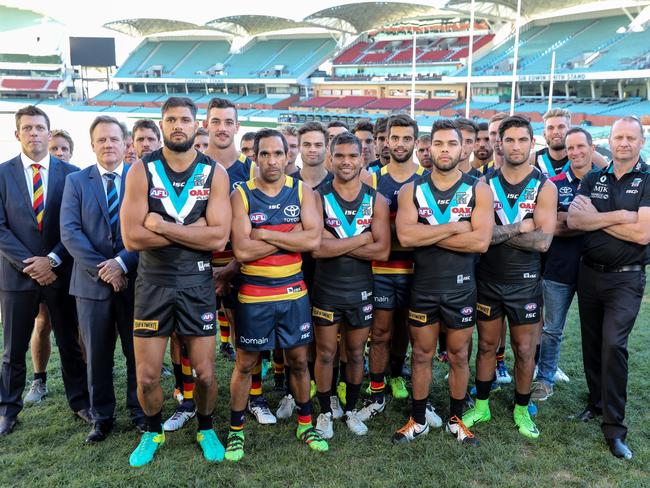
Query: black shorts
(229, 300)
(520, 302)
(356, 316)
(263, 326)
(160, 310)
(453, 310)
(391, 291)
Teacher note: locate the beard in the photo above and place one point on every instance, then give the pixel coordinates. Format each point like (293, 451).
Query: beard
(180, 147)
(407, 156)
(556, 146)
(447, 166)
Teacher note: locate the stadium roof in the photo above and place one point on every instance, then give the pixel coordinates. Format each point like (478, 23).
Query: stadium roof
(355, 18)
(17, 18)
(148, 27)
(252, 25)
(363, 16)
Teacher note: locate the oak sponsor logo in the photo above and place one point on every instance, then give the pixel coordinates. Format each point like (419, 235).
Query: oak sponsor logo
(145, 325)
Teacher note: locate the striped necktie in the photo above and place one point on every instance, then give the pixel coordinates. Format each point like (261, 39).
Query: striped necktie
(113, 202)
(38, 202)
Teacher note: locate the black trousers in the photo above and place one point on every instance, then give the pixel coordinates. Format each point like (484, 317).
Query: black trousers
(608, 304)
(19, 309)
(99, 322)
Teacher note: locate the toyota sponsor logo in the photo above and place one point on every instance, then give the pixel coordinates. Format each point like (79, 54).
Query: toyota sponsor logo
(258, 217)
(207, 317)
(158, 193)
(530, 307)
(467, 311)
(305, 327)
(292, 210)
(425, 212)
(565, 190)
(333, 222)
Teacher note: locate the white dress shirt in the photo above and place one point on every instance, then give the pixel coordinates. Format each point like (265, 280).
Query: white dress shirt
(29, 178)
(119, 173)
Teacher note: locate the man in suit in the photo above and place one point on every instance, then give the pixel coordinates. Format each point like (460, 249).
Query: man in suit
(103, 272)
(34, 266)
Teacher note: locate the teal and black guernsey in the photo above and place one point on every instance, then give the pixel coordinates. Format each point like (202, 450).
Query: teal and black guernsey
(181, 198)
(438, 269)
(341, 280)
(512, 204)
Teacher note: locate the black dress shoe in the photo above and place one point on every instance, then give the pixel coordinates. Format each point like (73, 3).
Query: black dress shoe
(7, 425)
(84, 414)
(618, 448)
(587, 414)
(140, 425)
(100, 431)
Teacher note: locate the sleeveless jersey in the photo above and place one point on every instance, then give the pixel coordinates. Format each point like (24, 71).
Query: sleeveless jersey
(437, 269)
(400, 260)
(278, 276)
(551, 167)
(345, 280)
(242, 170)
(181, 198)
(512, 204)
(308, 262)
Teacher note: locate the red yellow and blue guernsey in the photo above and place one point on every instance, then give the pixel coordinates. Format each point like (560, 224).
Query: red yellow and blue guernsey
(239, 172)
(278, 276)
(400, 260)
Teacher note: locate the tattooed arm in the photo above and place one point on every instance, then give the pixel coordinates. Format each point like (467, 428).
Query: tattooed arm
(544, 218)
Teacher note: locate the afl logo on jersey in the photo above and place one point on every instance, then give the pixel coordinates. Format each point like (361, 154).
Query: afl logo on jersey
(333, 222)
(425, 212)
(305, 327)
(207, 317)
(158, 193)
(498, 205)
(292, 210)
(258, 217)
(467, 311)
(530, 307)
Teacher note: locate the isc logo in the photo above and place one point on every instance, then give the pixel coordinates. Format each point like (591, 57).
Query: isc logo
(158, 193)
(425, 212)
(258, 217)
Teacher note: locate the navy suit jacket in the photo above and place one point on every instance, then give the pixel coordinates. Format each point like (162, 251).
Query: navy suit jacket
(19, 235)
(86, 233)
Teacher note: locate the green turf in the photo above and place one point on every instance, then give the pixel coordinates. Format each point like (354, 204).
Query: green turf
(47, 447)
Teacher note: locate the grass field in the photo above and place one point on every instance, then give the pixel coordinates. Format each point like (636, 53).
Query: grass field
(47, 447)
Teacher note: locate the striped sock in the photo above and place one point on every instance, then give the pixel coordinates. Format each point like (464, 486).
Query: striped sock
(377, 385)
(188, 379)
(236, 420)
(224, 327)
(304, 414)
(256, 380)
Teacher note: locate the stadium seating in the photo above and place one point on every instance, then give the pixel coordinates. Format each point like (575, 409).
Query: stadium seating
(351, 102)
(388, 104)
(136, 58)
(318, 102)
(431, 104)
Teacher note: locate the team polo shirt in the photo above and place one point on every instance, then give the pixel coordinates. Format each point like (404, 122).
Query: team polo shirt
(607, 194)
